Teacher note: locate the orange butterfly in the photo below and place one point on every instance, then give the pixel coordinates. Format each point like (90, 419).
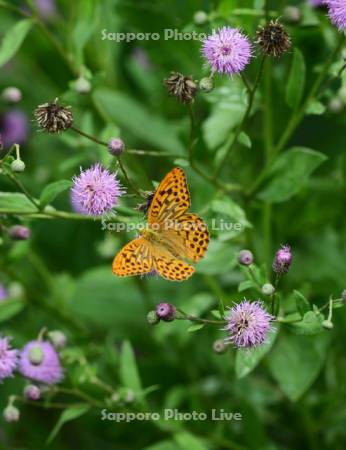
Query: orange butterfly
(172, 235)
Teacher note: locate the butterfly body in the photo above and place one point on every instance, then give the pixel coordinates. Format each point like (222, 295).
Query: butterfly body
(171, 238)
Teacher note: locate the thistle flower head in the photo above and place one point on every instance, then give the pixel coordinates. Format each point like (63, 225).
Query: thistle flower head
(3, 292)
(182, 87)
(273, 39)
(337, 12)
(95, 191)
(8, 359)
(32, 392)
(19, 232)
(53, 117)
(245, 257)
(39, 361)
(116, 146)
(14, 127)
(227, 50)
(165, 311)
(248, 324)
(283, 259)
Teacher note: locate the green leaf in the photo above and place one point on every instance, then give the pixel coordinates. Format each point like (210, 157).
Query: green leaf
(10, 307)
(188, 441)
(296, 80)
(221, 308)
(245, 140)
(13, 39)
(52, 190)
(248, 358)
(311, 324)
(315, 108)
(296, 361)
(195, 327)
(290, 173)
(302, 303)
(128, 371)
(245, 285)
(66, 416)
(14, 202)
(142, 123)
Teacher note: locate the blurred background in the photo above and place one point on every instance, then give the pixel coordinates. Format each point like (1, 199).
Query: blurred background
(295, 397)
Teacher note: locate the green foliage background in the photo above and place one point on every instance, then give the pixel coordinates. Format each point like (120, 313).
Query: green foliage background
(295, 397)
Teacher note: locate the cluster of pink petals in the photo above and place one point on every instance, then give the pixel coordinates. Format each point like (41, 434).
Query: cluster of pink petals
(227, 50)
(337, 12)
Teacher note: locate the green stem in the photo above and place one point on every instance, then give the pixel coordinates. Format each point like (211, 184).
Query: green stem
(233, 139)
(22, 188)
(214, 181)
(268, 119)
(296, 117)
(199, 319)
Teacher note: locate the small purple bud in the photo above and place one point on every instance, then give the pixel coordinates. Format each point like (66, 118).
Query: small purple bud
(11, 413)
(19, 233)
(165, 311)
(245, 257)
(116, 146)
(32, 392)
(283, 259)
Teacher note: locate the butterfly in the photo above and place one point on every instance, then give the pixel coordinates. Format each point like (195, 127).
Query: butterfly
(173, 237)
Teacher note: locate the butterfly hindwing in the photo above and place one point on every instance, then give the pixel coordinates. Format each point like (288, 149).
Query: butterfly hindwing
(170, 267)
(171, 198)
(189, 237)
(134, 259)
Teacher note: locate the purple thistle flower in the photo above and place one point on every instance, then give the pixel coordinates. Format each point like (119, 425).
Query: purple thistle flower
(227, 50)
(337, 12)
(165, 311)
(248, 324)
(8, 359)
(14, 128)
(95, 191)
(3, 292)
(39, 361)
(283, 259)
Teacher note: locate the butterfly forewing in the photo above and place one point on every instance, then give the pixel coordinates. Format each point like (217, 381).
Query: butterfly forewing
(171, 198)
(134, 259)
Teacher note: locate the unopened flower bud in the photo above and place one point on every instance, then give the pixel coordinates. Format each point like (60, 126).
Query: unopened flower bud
(165, 311)
(292, 14)
(268, 289)
(282, 260)
(245, 257)
(12, 94)
(336, 105)
(343, 295)
(327, 324)
(116, 146)
(220, 346)
(32, 392)
(82, 85)
(36, 355)
(206, 84)
(11, 413)
(18, 165)
(58, 338)
(153, 318)
(19, 233)
(200, 17)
